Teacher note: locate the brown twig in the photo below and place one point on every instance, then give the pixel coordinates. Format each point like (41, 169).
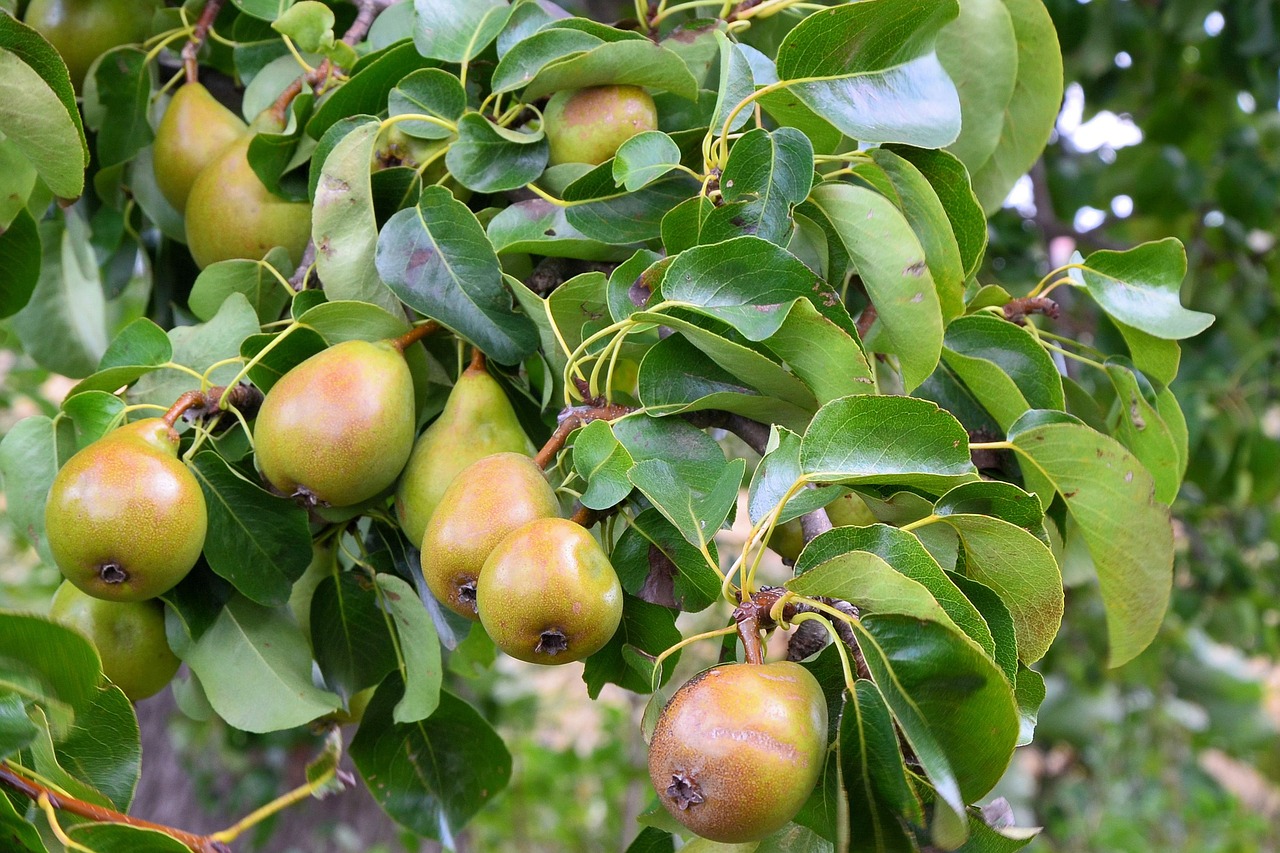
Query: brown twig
(15, 781)
(574, 417)
(762, 602)
(204, 404)
(753, 433)
(368, 12)
(298, 281)
(1017, 310)
(280, 109)
(415, 334)
(866, 320)
(201, 31)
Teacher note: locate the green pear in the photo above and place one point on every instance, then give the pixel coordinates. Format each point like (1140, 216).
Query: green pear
(588, 125)
(739, 748)
(129, 637)
(194, 130)
(125, 519)
(489, 499)
(337, 429)
(83, 30)
(231, 214)
(548, 593)
(477, 421)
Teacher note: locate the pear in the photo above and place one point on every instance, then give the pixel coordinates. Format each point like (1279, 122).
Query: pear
(739, 748)
(83, 30)
(337, 429)
(477, 421)
(129, 637)
(195, 129)
(124, 518)
(489, 499)
(231, 214)
(588, 125)
(548, 593)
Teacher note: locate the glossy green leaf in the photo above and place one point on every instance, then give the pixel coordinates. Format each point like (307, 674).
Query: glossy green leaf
(601, 460)
(419, 645)
(1003, 366)
(644, 158)
(1111, 497)
(603, 212)
(122, 838)
(30, 455)
(998, 500)
(301, 344)
(634, 62)
(696, 514)
(455, 33)
(351, 636)
(1156, 357)
(886, 440)
(430, 776)
(263, 288)
(488, 158)
(371, 81)
(104, 748)
(16, 728)
(1140, 427)
(979, 50)
(17, 183)
(895, 272)
(15, 830)
(432, 92)
(774, 168)
(251, 650)
(777, 472)
(48, 664)
(646, 631)
(1140, 287)
(736, 84)
(20, 258)
(123, 81)
(655, 563)
(950, 181)
(871, 585)
(39, 115)
(521, 63)
(542, 228)
(812, 345)
(879, 792)
(438, 260)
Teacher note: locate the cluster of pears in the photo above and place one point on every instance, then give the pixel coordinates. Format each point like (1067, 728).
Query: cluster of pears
(201, 162)
(739, 748)
(125, 521)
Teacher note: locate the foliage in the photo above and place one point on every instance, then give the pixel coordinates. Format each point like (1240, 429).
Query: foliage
(810, 167)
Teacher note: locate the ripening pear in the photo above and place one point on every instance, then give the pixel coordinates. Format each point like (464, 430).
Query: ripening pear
(125, 519)
(739, 748)
(129, 637)
(477, 421)
(83, 30)
(548, 593)
(231, 214)
(194, 130)
(489, 499)
(850, 510)
(337, 429)
(588, 125)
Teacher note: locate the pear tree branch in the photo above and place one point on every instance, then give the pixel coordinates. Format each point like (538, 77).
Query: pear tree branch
(192, 48)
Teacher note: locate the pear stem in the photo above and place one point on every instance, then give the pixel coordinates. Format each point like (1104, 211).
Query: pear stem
(15, 781)
(414, 335)
(574, 417)
(192, 48)
(477, 360)
(241, 397)
(279, 111)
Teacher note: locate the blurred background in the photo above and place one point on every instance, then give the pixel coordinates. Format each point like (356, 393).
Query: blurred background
(1169, 127)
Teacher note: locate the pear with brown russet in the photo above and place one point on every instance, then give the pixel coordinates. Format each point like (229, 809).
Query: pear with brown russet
(488, 500)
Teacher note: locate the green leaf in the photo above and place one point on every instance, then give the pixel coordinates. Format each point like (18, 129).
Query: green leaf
(1021, 570)
(1003, 366)
(122, 838)
(870, 584)
(527, 57)
(879, 793)
(602, 212)
(1031, 111)
(343, 224)
(652, 840)
(1111, 497)
(17, 182)
(776, 169)
(697, 514)
(16, 831)
(372, 80)
(430, 776)
(1156, 357)
(895, 272)
(634, 62)
(123, 79)
(309, 23)
(50, 665)
(950, 181)
(488, 158)
(20, 255)
(93, 413)
(778, 471)
(1141, 428)
(250, 650)
(438, 260)
(645, 632)
(542, 228)
(824, 354)
(432, 92)
(736, 84)
(264, 289)
(998, 500)
(443, 29)
(1140, 287)
(886, 440)
(301, 344)
(979, 50)
(265, 10)
(998, 619)
(16, 728)
(655, 562)
(419, 645)
(30, 455)
(350, 634)
(643, 159)
(104, 747)
(601, 460)
(877, 78)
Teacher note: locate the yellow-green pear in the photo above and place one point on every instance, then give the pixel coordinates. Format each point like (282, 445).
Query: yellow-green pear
(231, 214)
(194, 130)
(588, 125)
(83, 30)
(489, 499)
(477, 421)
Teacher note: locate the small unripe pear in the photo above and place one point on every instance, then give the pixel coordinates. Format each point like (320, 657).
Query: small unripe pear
(488, 500)
(83, 30)
(337, 429)
(548, 593)
(588, 125)
(739, 748)
(194, 130)
(129, 637)
(477, 421)
(125, 519)
(231, 214)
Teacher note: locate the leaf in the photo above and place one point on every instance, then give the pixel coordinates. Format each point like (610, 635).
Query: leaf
(950, 181)
(123, 81)
(438, 261)
(643, 159)
(774, 167)
(894, 440)
(432, 92)
(601, 212)
(1003, 366)
(652, 840)
(264, 289)
(655, 563)
(30, 454)
(309, 23)
(20, 255)
(489, 158)
(601, 460)
(104, 748)
(1030, 112)
(371, 81)
(527, 57)
(1141, 428)
(736, 83)
(445, 30)
(122, 838)
(16, 728)
(823, 353)
(979, 50)
(634, 62)
(1111, 497)
(879, 794)
(343, 224)
(542, 228)
(51, 665)
(420, 647)
(870, 584)
(998, 500)
(430, 776)
(1021, 570)
(16, 831)
(297, 347)
(645, 632)
(877, 78)
(778, 471)
(17, 182)
(697, 515)
(1140, 287)
(350, 635)
(895, 272)
(998, 619)
(250, 650)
